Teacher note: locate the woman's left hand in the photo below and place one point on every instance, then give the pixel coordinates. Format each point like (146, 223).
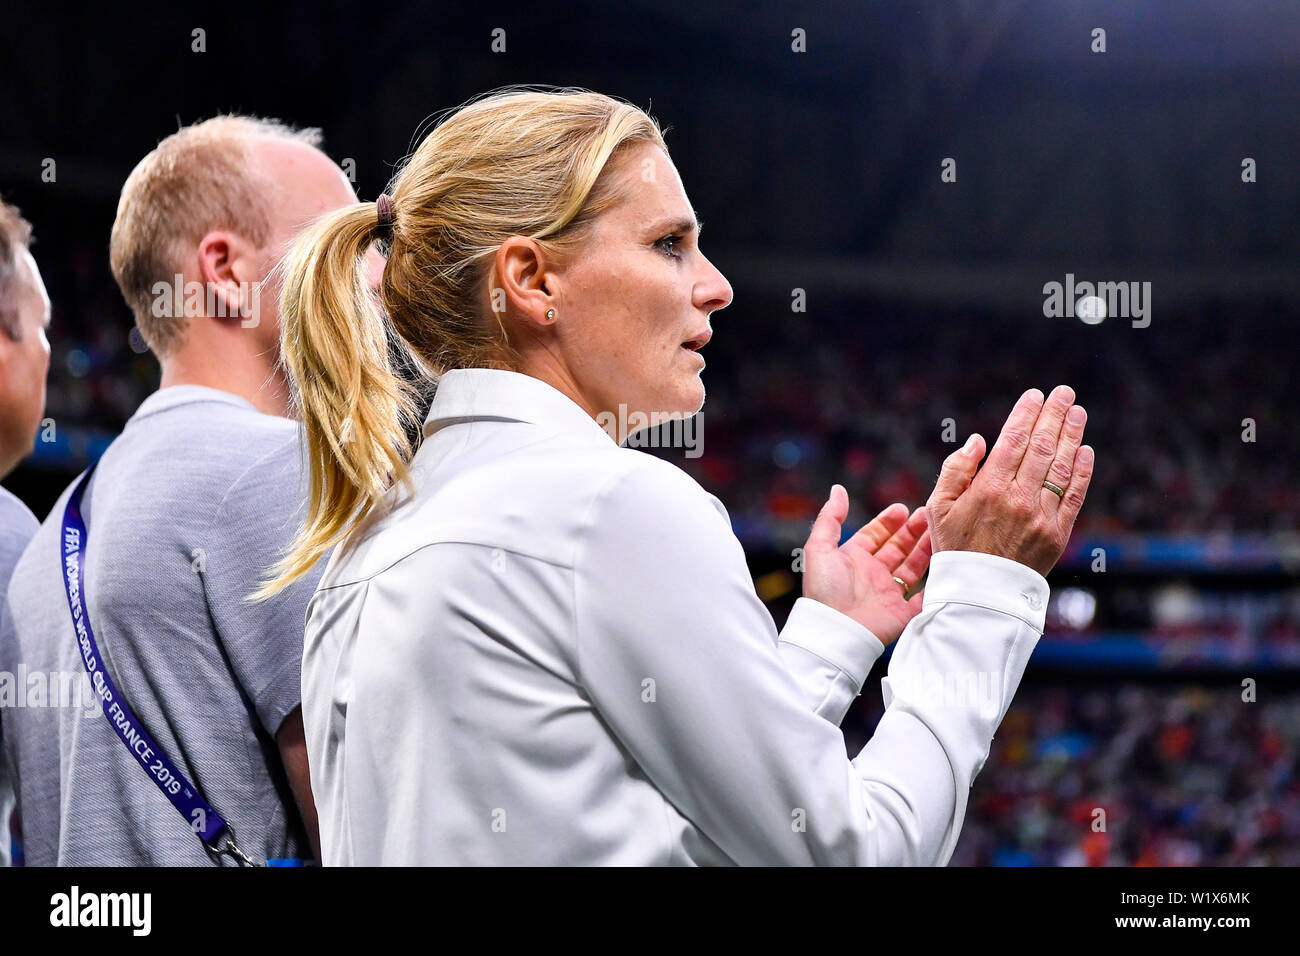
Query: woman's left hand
(857, 578)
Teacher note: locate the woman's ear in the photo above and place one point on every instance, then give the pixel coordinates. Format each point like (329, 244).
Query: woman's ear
(524, 282)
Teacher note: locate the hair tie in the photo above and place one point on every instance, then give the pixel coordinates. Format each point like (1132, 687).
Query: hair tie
(386, 214)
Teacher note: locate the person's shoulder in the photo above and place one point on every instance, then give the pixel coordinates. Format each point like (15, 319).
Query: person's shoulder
(17, 527)
(16, 517)
(587, 468)
(583, 479)
(251, 439)
(273, 457)
(648, 481)
(212, 442)
(250, 456)
(653, 517)
(25, 574)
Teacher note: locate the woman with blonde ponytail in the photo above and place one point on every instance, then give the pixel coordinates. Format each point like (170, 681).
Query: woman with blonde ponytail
(532, 645)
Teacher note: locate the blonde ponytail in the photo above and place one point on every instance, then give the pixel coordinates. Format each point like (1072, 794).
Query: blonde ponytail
(355, 409)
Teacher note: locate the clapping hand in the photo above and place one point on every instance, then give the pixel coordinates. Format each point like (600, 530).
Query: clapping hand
(857, 577)
(1023, 503)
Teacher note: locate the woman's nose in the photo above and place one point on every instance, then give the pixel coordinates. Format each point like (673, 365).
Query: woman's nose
(714, 292)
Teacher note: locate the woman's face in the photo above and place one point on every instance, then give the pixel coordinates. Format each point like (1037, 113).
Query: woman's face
(633, 305)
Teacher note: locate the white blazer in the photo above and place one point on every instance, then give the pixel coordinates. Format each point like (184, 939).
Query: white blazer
(553, 654)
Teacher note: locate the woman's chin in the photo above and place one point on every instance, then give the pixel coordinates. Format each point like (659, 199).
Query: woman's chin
(684, 399)
(691, 398)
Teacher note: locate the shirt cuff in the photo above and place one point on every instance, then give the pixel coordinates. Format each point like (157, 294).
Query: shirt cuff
(834, 637)
(989, 581)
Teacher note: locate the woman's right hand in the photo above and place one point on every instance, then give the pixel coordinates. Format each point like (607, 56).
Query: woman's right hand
(1004, 508)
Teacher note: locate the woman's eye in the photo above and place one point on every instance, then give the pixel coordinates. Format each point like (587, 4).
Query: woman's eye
(666, 243)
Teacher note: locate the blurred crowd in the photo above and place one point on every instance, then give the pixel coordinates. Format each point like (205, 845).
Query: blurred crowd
(100, 369)
(1186, 622)
(1135, 775)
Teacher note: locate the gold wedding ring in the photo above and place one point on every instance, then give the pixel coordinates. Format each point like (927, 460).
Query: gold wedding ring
(1055, 489)
(902, 582)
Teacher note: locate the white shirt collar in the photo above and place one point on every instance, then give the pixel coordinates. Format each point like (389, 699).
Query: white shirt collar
(469, 394)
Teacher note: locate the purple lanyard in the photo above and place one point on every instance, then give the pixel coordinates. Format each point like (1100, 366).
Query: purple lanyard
(206, 823)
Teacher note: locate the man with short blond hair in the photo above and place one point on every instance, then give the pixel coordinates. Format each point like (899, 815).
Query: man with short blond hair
(183, 515)
(202, 178)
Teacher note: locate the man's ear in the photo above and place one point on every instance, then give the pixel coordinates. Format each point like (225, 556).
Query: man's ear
(8, 345)
(10, 320)
(525, 282)
(228, 271)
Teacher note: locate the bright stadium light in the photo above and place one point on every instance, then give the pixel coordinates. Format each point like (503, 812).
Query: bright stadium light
(1075, 607)
(1091, 310)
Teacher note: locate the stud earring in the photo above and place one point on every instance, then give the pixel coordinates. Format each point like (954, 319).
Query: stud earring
(550, 314)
